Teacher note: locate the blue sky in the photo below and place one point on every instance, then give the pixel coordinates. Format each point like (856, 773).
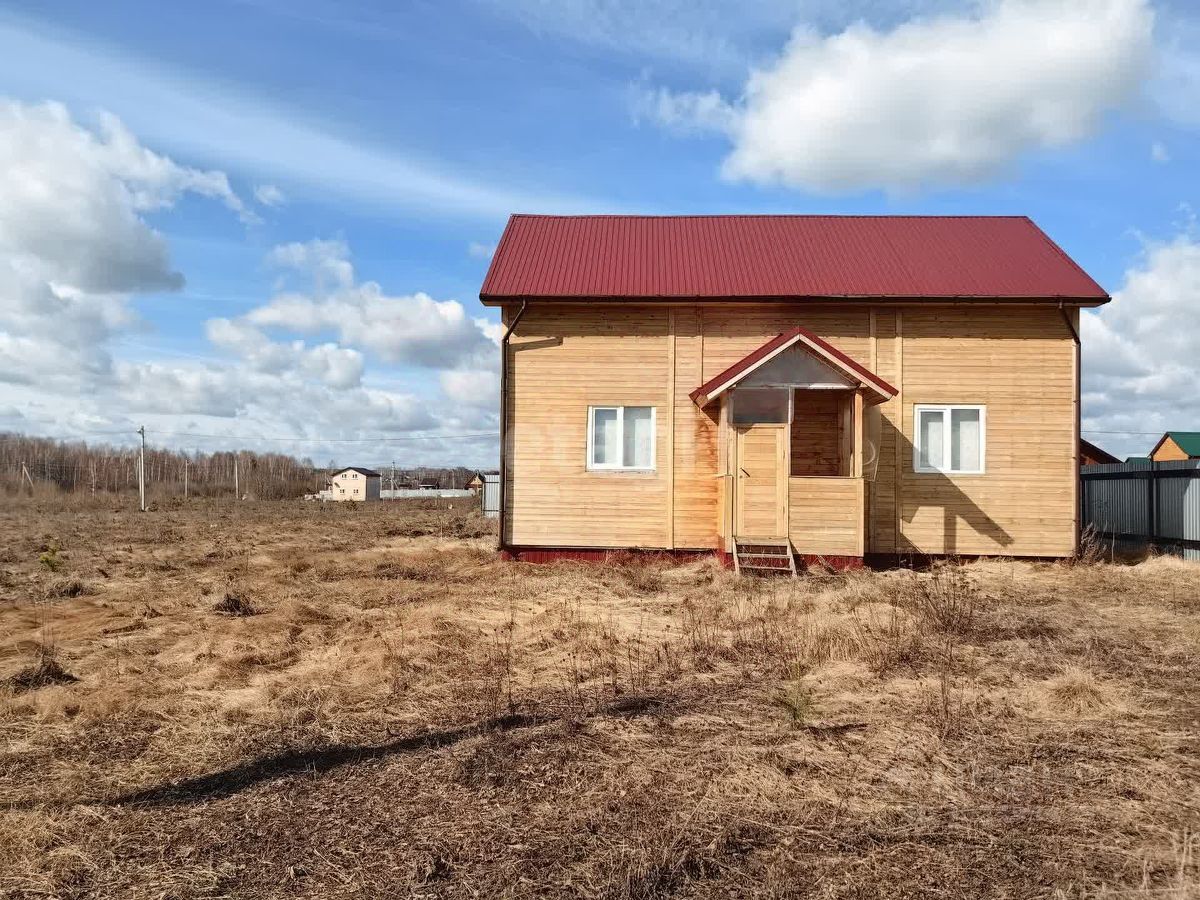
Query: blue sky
(401, 135)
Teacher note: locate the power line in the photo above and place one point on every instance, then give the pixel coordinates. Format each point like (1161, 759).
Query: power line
(382, 439)
(1140, 433)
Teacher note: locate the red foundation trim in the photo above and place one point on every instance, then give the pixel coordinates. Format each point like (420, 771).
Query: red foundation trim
(554, 554)
(600, 557)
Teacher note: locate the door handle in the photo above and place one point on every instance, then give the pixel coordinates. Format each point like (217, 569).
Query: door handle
(743, 471)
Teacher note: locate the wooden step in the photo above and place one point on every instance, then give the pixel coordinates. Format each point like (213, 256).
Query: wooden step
(764, 554)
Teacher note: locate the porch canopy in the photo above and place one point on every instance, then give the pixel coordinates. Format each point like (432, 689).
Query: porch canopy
(796, 358)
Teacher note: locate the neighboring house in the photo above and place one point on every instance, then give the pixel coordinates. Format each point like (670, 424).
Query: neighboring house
(1177, 445)
(1137, 459)
(1091, 455)
(476, 482)
(845, 385)
(354, 483)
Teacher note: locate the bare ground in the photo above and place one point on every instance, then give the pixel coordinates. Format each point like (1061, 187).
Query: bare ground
(285, 700)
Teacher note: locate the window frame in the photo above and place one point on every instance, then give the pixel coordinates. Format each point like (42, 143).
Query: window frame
(946, 409)
(592, 466)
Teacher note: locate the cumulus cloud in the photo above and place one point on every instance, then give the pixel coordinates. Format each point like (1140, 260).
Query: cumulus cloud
(74, 242)
(412, 329)
(75, 246)
(1141, 352)
(948, 99)
(339, 367)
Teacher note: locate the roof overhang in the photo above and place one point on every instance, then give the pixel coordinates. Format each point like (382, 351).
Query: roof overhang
(877, 390)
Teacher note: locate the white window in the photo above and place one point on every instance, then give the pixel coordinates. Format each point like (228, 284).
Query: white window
(620, 437)
(949, 439)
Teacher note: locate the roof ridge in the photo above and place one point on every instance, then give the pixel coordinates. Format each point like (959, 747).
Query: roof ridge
(526, 215)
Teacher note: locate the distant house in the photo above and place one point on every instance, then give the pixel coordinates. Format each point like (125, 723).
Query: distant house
(479, 479)
(430, 484)
(354, 483)
(1177, 445)
(1137, 459)
(1091, 455)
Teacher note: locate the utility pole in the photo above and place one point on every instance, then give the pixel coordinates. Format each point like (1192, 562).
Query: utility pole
(142, 469)
(185, 474)
(93, 479)
(393, 477)
(237, 494)
(28, 477)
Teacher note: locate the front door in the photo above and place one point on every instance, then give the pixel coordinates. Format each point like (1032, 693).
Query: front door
(760, 483)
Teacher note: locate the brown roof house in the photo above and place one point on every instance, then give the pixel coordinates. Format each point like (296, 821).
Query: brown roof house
(774, 388)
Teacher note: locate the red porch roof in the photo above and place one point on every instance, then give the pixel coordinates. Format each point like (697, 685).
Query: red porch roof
(778, 344)
(639, 258)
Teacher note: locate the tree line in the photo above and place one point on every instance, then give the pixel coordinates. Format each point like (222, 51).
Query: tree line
(40, 464)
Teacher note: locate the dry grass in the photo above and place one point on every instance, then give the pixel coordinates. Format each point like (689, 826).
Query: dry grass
(404, 715)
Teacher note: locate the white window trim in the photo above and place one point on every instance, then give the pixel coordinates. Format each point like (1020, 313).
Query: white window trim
(946, 409)
(618, 467)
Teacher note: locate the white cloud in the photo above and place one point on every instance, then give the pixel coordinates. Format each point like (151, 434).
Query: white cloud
(412, 329)
(339, 367)
(1158, 152)
(476, 250)
(951, 99)
(74, 243)
(269, 195)
(249, 135)
(75, 246)
(1141, 352)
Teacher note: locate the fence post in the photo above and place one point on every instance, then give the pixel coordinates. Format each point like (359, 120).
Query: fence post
(1152, 523)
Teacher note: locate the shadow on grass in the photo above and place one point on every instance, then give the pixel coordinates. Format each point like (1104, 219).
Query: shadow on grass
(315, 761)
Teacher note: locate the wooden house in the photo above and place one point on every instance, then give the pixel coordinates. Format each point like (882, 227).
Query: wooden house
(1091, 455)
(1176, 445)
(763, 386)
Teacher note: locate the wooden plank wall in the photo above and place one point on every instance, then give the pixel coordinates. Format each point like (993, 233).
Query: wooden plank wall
(1018, 361)
(817, 433)
(564, 360)
(824, 517)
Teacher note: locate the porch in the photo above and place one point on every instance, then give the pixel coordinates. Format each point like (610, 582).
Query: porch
(798, 432)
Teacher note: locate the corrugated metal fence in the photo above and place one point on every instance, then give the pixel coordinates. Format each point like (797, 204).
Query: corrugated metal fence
(491, 495)
(1145, 503)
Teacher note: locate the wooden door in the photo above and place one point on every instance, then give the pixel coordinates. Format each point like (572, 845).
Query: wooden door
(760, 485)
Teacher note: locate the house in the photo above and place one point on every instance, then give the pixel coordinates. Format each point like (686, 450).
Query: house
(479, 479)
(354, 483)
(1091, 455)
(836, 386)
(1177, 445)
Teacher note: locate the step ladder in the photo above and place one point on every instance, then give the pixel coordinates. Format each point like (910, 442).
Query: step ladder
(764, 556)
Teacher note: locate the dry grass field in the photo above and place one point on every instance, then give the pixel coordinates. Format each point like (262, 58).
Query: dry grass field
(286, 700)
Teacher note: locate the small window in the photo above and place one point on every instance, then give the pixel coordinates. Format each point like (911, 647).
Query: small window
(949, 439)
(761, 406)
(620, 437)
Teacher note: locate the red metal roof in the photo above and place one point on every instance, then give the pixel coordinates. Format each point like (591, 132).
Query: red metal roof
(857, 372)
(674, 257)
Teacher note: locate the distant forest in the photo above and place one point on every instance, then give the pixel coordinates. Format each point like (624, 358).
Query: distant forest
(36, 464)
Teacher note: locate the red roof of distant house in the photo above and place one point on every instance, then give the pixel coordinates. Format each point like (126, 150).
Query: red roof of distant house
(787, 257)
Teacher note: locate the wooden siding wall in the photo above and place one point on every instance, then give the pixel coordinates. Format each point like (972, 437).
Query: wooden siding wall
(1018, 361)
(817, 429)
(824, 517)
(1020, 364)
(566, 359)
